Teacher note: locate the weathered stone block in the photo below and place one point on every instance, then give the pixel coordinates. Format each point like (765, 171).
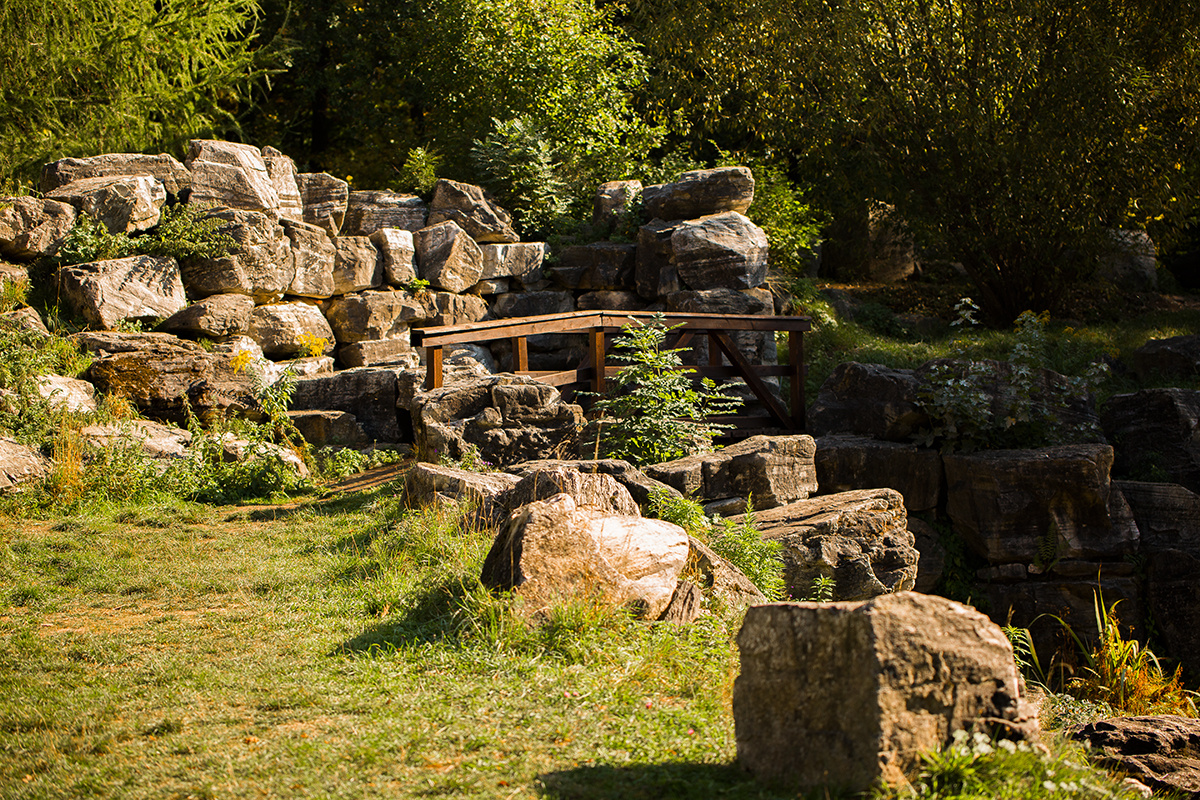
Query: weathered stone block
(860, 462)
(134, 288)
(370, 211)
(449, 259)
(726, 251)
(701, 192)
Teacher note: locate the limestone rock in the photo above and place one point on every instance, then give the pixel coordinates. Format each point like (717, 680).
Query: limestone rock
(372, 315)
(466, 205)
(526, 304)
(262, 266)
(175, 177)
(103, 343)
(868, 400)
(860, 462)
(773, 470)
(325, 199)
(356, 265)
(655, 273)
(20, 465)
(595, 491)
(470, 358)
(1167, 515)
(285, 330)
(758, 347)
(637, 483)
(932, 562)
(370, 211)
(125, 204)
(846, 695)
(231, 175)
(551, 551)
(457, 309)
(429, 483)
(1161, 751)
(31, 228)
(701, 192)
(329, 428)
(612, 202)
(397, 253)
(1172, 599)
(520, 260)
(602, 265)
(1156, 435)
(238, 450)
(1130, 261)
(369, 393)
(134, 288)
(506, 418)
(213, 317)
(71, 393)
(448, 257)
(152, 438)
(605, 300)
(313, 256)
(721, 579)
(397, 351)
(1178, 355)
(282, 171)
(860, 539)
(12, 273)
(24, 319)
(726, 251)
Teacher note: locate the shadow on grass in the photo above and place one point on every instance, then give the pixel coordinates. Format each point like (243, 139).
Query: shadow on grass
(322, 506)
(658, 782)
(432, 618)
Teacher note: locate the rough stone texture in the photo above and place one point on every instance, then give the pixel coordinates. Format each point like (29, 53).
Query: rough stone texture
(611, 203)
(430, 483)
(595, 491)
(71, 393)
(466, 205)
(474, 359)
(1156, 434)
(231, 175)
(397, 253)
(152, 438)
(719, 578)
(655, 274)
(12, 273)
(859, 462)
(551, 551)
(507, 418)
(493, 287)
(1131, 262)
(313, 257)
(26, 319)
(368, 316)
(282, 170)
(1178, 356)
(20, 465)
(1161, 751)
(860, 539)
(520, 260)
(449, 259)
(285, 330)
(701, 192)
(356, 265)
(773, 470)
(685, 605)
(637, 483)
(1167, 515)
(1036, 505)
(1071, 598)
(846, 695)
(369, 393)
(125, 204)
(396, 351)
(726, 251)
(262, 266)
(163, 376)
(758, 347)
(370, 211)
(527, 304)
(868, 400)
(175, 177)
(602, 265)
(134, 288)
(604, 300)
(325, 198)
(1173, 601)
(31, 228)
(329, 428)
(213, 317)
(932, 562)
(456, 309)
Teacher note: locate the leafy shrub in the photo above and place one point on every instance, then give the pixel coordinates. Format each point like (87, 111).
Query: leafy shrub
(518, 164)
(654, 411)
(420, 171)
(181, 233)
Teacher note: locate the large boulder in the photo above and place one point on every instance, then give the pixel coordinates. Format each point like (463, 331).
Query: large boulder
(151, 438)
(397, 254)
(505, 418)
(520, 260)
(31, 227)
(639, 485)
(262, 266)
(1156, 435)
(612, 201)
(1167, 515)
(214, 317)
(526, 304)
(595, 491)
(718, 578)
(1176, 356)
(329, 428)
(282, 170)
(124, 204)
(605, 300)
(313, 257)
(448, 257)
(231, 175)
(551, 552)
(701, 192)
(373, 315)
(134, 288)
(757, 346)
(370, 211)
(868, 400)
(845, 696)
(23, 319)
(427, 484)
(726, 251)
(602, 265)
(1172, 598)
(175, 177)
(860, 539)
(72, 394)
(466, 205)
(396, 351)
(767, 471)
(356, 265)
(847, 462)
(325, 198)
(1130, 261)
(1162, 751)
(455, 309)
(20, 465)
(369, 393)
(286, 330)
(655, 274)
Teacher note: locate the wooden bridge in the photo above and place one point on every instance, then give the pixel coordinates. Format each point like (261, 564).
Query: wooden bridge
(601, 326)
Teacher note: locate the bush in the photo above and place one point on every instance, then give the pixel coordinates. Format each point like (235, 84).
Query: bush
(180, 234)
(517, 163)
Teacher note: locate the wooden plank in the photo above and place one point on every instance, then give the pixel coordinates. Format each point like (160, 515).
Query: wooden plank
(433, 367)
(752, 380)
(714, 351)
(596, 353)
(562, 378)
(520, 354)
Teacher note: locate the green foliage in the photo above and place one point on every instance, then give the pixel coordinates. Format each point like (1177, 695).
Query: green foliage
(822, 589)
(24, 413)
(682, 511)
(83, 77)
(181, 233)
(13, 294)
(654, 412)
(334, 463)
(89, 240)
(420, 171)
(517, 163)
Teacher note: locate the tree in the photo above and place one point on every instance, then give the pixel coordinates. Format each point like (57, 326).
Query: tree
(83, 77)
(1008, 134)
